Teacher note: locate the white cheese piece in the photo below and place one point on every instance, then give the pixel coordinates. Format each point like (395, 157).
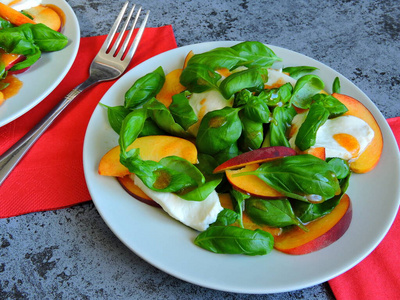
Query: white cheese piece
(23, 4)
(195, 214)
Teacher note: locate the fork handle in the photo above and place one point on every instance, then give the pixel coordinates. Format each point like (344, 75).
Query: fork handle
(10, 158)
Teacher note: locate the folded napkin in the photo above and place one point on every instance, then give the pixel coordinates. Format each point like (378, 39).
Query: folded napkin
(50, 176)
(378, 275)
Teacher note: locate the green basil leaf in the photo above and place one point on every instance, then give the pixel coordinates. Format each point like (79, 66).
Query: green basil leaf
(303, 177)
(181, 110)
(307, 134)
(198, 78)
(131, 126)
(257, 110)
(225, 217)
(336, 85)
(274, 213)
(277, 97)
(150, 128)
(144, 88)
(239, 202)
(116, 115)
(5, 24)
(299, 71)
(218, 130)
(161, 115)
(340, 166)
(217, 58)
(333, 105)
(235, 240)
(252, 79)
(29, 60)
(227, 153)
(252, 134)
(308, 212)
(256, 54)
(306, 87)
(48, 40)
(282, 117)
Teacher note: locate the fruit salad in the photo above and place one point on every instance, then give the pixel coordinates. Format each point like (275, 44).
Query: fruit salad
(27, 29)
(251, 156)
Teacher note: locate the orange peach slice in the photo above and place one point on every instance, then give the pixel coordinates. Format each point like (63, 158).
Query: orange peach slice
(321, 232)
(251, 184)
(153, 148)
(371, 155)
(187, 58)
(13, 16)
(45, 15)
(171, 87)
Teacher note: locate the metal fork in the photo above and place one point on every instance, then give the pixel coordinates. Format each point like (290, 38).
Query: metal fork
(107, 65)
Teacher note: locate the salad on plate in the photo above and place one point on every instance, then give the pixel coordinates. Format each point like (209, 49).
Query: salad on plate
(27, 29)
(251, 153)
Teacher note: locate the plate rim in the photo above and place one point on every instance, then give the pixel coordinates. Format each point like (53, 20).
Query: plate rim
(253, 290)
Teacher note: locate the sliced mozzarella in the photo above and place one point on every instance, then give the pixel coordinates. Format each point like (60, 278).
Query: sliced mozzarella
(22, 4)
(277, 78)
(195, 214)
(345, 137)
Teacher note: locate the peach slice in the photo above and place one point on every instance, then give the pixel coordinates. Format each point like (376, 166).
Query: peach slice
(322, 232)
(171, 87)
(371, 155)
(256, 156)
(226, 202)
(45, 15)
(187, 58)
(251, 184)
(13, 16)
(153, 147)
(317, 152)
(132, 189)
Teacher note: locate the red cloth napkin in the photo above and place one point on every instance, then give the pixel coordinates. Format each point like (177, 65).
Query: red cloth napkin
(378, 275)
(50, 176)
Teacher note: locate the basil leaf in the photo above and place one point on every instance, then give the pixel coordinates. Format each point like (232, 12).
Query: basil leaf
(306, 87)
(151, 128)
(239, 204)
(277, 97)
(161, 115)
(282, 117)
(198, 78)
(299, 71)
(274, 213)
(303, 177)
(225, 217)
(333, 105)
(307, 134)
(252, 79)
(181, 110)
(217, 58)
(235, 240)
(257, 110)
(218, 130)
(256, 54)
(116, 116)
(252, 134)
(227, 153)
(5, 24)
(47, 39)
(308, 212)
(340, 166)
(144, 88)
(131, 126)
(336, 85)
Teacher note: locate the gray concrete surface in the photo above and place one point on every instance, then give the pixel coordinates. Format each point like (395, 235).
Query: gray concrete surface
(71, 253)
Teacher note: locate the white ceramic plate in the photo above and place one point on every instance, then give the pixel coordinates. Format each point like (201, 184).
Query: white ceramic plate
(44, 76)
(168, 245)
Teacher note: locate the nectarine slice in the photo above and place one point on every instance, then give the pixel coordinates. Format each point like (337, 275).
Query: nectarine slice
(187, 58)
(256, 156)
(171, 87)
(46, 16)
(317, 152)
(371, 155)
(251, 184)
(321, 232)
(153, 147)
(132, 189)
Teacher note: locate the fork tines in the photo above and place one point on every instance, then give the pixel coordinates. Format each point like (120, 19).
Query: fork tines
(124, 51)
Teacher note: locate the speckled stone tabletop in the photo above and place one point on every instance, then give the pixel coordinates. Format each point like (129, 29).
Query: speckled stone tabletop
(72, 254)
